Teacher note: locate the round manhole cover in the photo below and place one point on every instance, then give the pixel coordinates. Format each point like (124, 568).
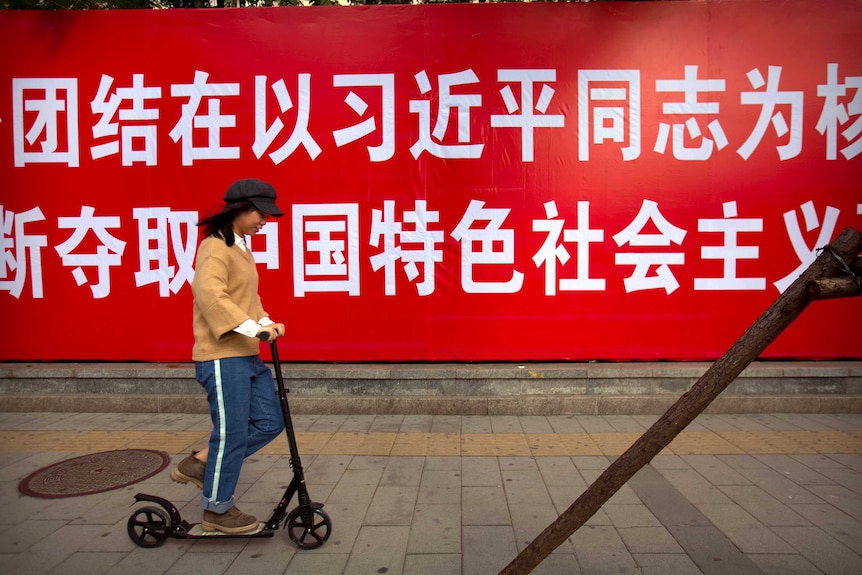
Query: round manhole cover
(94, 473)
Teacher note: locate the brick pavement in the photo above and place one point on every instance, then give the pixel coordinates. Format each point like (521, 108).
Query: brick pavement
(766, 493)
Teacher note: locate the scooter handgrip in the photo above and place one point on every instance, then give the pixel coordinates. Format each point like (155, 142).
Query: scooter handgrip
(263, 335)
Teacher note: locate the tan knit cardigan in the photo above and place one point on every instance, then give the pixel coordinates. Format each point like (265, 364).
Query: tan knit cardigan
(225, 295)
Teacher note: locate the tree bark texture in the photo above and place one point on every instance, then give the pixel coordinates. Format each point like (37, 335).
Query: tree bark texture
(830, 288)
(720, 374)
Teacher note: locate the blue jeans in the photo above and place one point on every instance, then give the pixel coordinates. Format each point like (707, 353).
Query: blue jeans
(246, 415)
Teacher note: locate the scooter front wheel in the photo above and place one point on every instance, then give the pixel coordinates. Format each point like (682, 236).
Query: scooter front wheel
(308, 527)
(148, 526)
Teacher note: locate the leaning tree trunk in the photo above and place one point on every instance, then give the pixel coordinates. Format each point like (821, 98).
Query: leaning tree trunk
(751, 344)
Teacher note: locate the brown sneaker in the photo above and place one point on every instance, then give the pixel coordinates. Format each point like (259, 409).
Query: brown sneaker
(231, 521)
(190, 469)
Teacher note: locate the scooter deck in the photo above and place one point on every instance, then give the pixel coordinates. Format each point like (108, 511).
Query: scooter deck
(198, 531)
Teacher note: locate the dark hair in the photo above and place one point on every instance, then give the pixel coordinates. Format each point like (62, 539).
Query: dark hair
(220, 224)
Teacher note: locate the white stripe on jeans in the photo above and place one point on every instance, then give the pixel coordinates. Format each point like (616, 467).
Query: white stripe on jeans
(221, 419)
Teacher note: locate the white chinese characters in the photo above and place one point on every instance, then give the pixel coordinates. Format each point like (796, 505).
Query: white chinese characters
(616, 110)
(407, 242)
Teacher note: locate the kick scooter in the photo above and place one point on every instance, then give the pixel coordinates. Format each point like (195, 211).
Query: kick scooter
(308, 525)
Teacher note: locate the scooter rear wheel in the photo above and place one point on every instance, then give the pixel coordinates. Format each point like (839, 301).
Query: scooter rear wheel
(148, 526)
(308, 527)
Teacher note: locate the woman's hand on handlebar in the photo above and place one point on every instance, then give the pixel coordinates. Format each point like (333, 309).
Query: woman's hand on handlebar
(278, 328)
(271, 332)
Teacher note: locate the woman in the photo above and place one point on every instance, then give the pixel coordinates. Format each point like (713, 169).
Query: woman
(228, 316)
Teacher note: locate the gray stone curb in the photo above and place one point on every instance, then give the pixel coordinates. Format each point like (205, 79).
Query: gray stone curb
(524, 405)
(456, 389)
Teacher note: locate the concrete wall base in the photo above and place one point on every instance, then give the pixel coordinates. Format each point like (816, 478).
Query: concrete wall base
(444, 389)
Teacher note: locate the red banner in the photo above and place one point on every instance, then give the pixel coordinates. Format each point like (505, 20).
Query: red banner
(620, 181)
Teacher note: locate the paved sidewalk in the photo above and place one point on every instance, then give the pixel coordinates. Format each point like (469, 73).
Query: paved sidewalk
(414, 495)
